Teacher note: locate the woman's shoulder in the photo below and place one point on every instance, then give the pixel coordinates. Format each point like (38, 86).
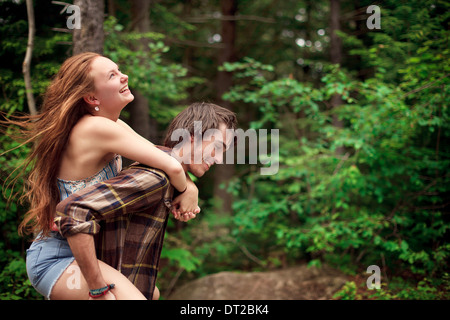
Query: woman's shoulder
(92, 126)
(90, 120)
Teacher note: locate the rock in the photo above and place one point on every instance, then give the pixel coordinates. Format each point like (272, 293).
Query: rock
(297, 283)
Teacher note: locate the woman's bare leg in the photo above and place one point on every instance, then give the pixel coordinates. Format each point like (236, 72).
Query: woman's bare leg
(72, 285)
(155, 294)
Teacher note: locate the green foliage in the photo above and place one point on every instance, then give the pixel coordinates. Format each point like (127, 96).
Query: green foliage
(181, 258)
(371, 187)
(14, 283)
(348, 292)
(398, 289)
(426, 289)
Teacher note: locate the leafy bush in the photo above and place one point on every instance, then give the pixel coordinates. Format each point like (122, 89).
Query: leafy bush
(398, 289)
(371, 189)
(14, 283)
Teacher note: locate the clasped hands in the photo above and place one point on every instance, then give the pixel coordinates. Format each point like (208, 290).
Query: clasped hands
(185, 206)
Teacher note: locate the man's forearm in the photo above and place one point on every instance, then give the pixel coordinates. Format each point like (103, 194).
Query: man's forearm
(83, 249)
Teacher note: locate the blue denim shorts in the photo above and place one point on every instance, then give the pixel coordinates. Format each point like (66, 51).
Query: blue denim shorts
(47, 258)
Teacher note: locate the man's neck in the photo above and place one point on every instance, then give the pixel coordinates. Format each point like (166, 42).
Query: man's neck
(185, 167)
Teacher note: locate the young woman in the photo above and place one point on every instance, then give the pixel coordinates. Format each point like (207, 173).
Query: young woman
(78, 141)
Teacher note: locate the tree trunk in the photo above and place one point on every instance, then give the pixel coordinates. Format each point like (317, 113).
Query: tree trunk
(224, 81)
(335, 41)
(335, 57)
(90, 37)
(140, 15)
(189, 51)
(111, 8)
(364, 72)
(140, 119)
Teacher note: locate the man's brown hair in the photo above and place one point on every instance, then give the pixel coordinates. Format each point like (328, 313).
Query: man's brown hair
(210, 115)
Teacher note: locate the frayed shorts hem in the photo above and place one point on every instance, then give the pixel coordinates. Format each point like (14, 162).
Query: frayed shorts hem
(46, 261)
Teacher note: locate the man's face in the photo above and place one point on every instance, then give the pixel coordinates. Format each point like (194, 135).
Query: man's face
(208, 151)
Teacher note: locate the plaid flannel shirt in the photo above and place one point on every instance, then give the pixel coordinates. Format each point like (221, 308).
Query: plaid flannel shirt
(128, 216)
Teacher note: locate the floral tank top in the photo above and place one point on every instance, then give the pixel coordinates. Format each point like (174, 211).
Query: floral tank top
(112, 169)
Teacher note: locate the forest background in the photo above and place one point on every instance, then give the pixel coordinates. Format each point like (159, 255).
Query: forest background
(363, 123)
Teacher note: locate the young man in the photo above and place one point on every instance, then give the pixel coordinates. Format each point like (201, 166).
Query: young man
(128, 214)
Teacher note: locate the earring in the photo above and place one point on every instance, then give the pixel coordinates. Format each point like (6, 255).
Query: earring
(97, 108)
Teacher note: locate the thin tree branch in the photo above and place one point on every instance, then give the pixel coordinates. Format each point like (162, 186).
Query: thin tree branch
(425, 86)
(191, 43)
(247, 253)
(65, 4)
(339, 165)
(27, 60)
(205, 18)
(65, 30)
(173, 282)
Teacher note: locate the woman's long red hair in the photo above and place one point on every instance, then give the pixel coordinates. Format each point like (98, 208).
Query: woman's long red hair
(49, 131)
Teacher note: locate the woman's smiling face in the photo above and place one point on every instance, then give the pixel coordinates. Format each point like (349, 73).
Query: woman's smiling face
(111, 86)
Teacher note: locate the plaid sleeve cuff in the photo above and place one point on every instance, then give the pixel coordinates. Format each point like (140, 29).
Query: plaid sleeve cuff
(69, 227)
